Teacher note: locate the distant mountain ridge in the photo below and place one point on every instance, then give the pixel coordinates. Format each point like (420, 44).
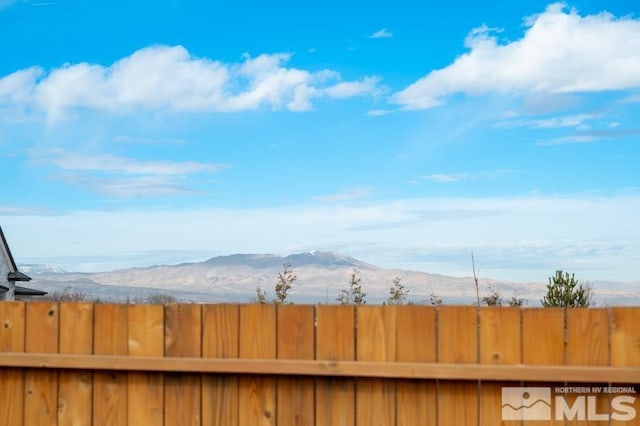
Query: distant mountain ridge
(320, 277)
(324, 258)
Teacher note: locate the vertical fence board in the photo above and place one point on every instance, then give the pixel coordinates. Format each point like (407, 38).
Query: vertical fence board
(416, 342)
(183, 338)
(257, 394)
(145, 405)
(543, 333)
(458, 343)
(335, 341)
(588, 344)
(376, 341)
(41, 387)
(110, 389)
(295, 395)
(500, 343)
(220, 340)
(12, 333)
(75, 387)
(625, 352)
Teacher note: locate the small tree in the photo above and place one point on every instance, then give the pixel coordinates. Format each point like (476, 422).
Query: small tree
(354, 294)
(435, 300)
(283, 284)
(516, 300)
(564, 290)
(398, 292)
(494, 298)
(261, 295)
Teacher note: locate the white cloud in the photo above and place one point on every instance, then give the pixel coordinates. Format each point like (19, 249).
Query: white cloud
(631, 99)
(383, 33)
(568, 140)
(442, 178)
(366, 86)
(586, 136)
(564, 121)
(128, 186)
(6, 3)
(170, 79)
(17, 88)
(355, 193)
(65, 160)
(15, 210)
(560, 52)
(123, 177)
(578, 121)
(457, 177)
(378, 112)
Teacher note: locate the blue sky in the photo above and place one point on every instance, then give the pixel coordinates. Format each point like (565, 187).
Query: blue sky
(401, 133)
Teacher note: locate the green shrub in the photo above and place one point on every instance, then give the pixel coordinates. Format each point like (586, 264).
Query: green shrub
(565, 291)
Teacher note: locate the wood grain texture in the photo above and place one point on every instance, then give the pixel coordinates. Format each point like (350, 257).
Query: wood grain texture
(625, 337)
(12, 339)
(110, 389)
(256, 394)
(588, 344)
(543, 333)
(587, 336)
(41, 387)
(295, 395)
(183, 338)
(375, 341)
(500, 343)
(220, 340)
(415, 342)
(75, 388)
(625, 350)
(145, 404)
(543, 336)
(335, 341)
(458, 343)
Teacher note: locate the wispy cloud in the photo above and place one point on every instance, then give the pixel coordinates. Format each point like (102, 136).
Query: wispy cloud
(379, 112)
(6, 3)
(631, 99)
(128, 186)
(149, 141)
(442, 178)
(124, 177)
(169, 78)
(14, 210)
(383, 33)
(577, 120)
(587, 136)
(457, 177)
(355, 193)
(66, 160)
(565, 53)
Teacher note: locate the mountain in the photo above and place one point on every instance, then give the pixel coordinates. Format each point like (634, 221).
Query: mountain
(320, 277)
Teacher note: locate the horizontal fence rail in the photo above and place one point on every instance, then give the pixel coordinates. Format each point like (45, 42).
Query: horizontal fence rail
(294, 367)
(224, 364)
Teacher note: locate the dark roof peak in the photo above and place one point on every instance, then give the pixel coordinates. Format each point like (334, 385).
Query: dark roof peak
(5, 251)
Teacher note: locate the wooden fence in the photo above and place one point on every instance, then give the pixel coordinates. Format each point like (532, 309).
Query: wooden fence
(190, 364)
